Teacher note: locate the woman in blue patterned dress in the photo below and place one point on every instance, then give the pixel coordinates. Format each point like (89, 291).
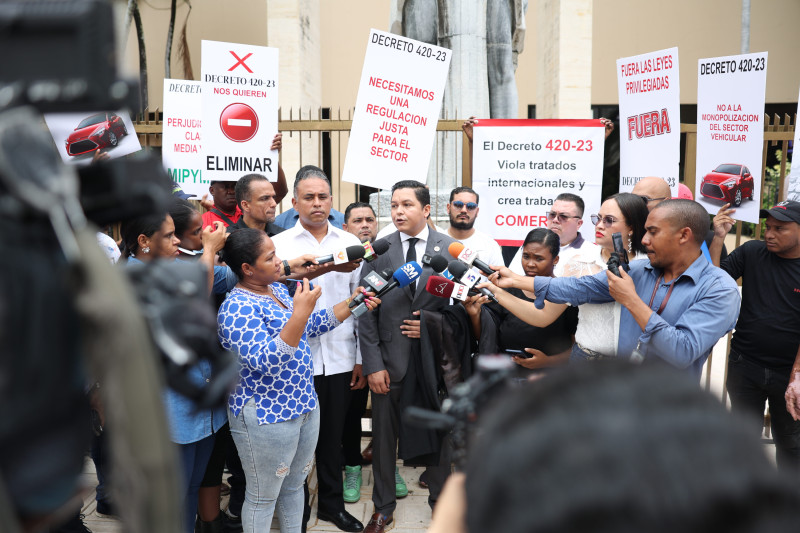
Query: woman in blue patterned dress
(273, 410)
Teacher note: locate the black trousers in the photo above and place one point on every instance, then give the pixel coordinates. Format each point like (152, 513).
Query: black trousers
(386, 420)
(351, 437)
(750, 386)
(334, 394)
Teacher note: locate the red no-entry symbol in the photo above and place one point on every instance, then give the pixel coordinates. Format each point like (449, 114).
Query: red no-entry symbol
(240, 61)
(238, 122)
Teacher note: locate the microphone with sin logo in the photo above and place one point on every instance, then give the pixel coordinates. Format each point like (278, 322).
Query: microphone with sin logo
(402, 277)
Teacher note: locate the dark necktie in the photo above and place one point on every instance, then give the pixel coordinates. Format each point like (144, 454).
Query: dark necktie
(411, 255)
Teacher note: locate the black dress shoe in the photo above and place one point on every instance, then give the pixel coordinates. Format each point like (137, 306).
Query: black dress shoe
(343, 520)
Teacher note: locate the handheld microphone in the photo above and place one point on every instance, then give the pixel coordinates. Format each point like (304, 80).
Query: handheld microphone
(351, 253)
(403, 276)
(439, 265)
(374, 249)
(444, 288)
(376, 281)
(462, 273)
(470, 257)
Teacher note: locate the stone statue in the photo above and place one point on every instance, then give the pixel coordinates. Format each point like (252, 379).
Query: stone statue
(486, 37)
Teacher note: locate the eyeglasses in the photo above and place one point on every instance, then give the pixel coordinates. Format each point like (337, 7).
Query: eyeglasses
(562, 217)
(471, 206)
(647, 199)
(607, 220)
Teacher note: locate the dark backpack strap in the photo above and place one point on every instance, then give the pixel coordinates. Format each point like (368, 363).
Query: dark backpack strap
(222, 215)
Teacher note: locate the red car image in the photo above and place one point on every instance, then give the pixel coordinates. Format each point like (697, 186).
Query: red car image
(729, 183)
(96, 131)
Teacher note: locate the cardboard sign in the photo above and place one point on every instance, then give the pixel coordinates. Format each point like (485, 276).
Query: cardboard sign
(649, 118)
(397, 109)
(793, 190)
(79, 136)
(730, 133)
(240, 110)
(520, 166)
(181, 149)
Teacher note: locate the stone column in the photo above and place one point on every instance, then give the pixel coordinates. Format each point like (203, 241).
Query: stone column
(564, 73)
(294, 27)
(462, 28)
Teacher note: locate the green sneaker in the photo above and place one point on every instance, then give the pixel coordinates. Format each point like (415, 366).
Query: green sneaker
(400, 488)
(352, 484)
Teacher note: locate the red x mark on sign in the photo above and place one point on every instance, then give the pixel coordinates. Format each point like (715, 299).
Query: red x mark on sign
(240, 61)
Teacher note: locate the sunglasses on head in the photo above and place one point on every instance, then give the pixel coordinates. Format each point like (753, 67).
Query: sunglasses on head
(607, 220)
(471, 206)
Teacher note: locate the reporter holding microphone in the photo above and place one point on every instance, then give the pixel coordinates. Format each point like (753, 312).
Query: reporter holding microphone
(273, 411)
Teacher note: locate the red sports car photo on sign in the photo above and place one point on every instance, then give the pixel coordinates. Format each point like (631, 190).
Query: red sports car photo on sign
(96, 131)
(730, 183)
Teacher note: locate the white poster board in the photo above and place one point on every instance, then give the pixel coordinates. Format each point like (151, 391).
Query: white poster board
(793, 190)
(240, 110)
(79, 136)
(649, 118)
(181, 149)
(397, 109)
(520, 166)
(730, 132)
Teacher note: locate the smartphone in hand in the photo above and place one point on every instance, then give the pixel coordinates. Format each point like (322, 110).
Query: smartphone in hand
(519, 353)
(291, 284)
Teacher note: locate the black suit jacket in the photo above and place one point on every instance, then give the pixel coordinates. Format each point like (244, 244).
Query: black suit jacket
(383, 346)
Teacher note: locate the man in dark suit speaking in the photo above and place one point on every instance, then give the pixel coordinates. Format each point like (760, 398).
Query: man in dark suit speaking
(389, 335)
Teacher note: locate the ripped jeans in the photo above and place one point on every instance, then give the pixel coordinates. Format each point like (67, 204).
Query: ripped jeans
(276, 458)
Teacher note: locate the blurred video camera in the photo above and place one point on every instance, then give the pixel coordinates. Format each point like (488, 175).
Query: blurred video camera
(461, 410)
(60, 56)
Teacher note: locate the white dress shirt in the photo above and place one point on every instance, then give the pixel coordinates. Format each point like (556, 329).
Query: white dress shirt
(422, 243)
(336, 351)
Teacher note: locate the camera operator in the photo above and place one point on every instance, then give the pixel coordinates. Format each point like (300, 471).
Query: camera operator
(691, 305)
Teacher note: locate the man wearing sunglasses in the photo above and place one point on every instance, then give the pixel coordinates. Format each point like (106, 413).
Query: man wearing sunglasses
(565, 219)
(463, 211)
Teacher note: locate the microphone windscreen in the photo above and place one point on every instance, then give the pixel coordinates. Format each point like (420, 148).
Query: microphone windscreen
(355, 252)
(407, 273)
(381, 246)
(387, 273)
(457, 268)
(455, 248)
(438, 263)
(439, 286)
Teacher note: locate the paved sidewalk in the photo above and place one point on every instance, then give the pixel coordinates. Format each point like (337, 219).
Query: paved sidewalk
(412, 515)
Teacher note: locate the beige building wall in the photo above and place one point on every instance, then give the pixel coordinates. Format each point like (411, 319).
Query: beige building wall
(620, 28)
(700, 29)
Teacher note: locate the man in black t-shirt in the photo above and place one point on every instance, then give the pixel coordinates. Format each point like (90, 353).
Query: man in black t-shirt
(768, 330)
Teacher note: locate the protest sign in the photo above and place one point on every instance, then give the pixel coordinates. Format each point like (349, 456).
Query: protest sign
(397, 109)
(520, 166)
(649, 118)
(730, 132)
(239, 110)
(79, 136)
(181, 149)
